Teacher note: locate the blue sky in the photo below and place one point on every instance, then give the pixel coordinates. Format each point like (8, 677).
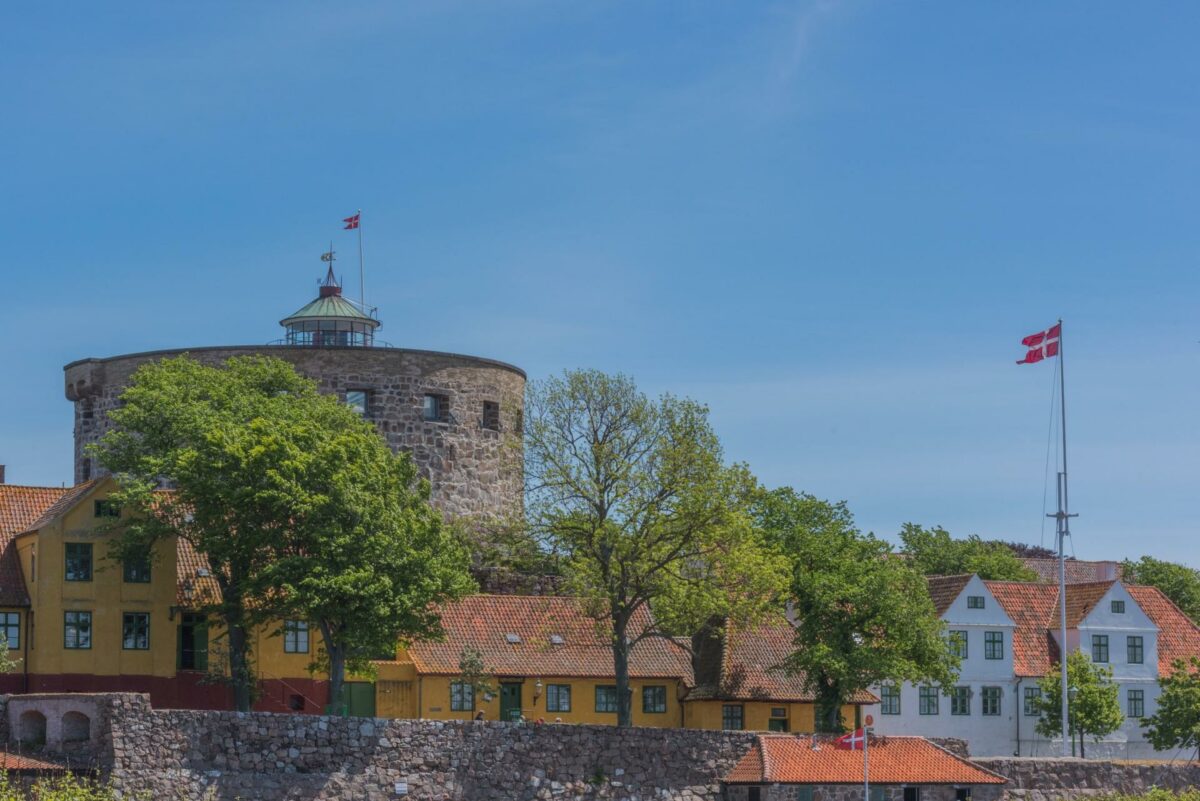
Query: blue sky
(832, 222)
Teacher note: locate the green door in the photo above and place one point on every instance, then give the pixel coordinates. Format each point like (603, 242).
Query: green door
(777, 724)
(510, 701)
(360, 699)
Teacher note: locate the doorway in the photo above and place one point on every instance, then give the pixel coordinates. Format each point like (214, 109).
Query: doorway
(510, 701)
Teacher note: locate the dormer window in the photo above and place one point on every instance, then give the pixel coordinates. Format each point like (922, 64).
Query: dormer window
(974, 601)
(513, 639)
(1118, 607)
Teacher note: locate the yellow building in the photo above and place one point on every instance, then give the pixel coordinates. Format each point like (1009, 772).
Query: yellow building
(739, 684)
(82, 622)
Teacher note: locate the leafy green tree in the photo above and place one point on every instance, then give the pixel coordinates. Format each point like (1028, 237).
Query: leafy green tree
(361, 552)
(1094, 708)
(7, 663)
(297, 504)
(863, 616)
(1176, 723)
(1178, 582)
(634, 498)
(935, 553)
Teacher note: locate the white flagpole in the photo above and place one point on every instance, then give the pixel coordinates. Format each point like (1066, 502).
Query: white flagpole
(362, 284)
(866, 767)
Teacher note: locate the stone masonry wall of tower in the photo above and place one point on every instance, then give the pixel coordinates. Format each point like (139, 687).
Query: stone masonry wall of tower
(473, 461)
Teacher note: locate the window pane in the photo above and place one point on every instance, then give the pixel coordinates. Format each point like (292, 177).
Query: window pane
(991, 700)
(993, 645)
(606, 699)
(1032, 694)
(654, 699)
(960, 701)
(889, 699)
(357, 400)
(135, 631)
(928, 700)
(731, 717)
(77, 630)
(1136, 651)
(79, 561)
(12, 629)
(558, 698)
(958, 644)
(1099, 647)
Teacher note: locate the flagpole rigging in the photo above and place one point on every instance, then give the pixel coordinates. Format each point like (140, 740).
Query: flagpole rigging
(1063, 529)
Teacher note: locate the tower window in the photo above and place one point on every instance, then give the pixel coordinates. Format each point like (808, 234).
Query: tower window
(436, 408)
(491, 415)
(359, 401)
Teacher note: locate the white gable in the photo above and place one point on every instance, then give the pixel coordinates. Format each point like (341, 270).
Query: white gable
(1102, 615)
(961, 612)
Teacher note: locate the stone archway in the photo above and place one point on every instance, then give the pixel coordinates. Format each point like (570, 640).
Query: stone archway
(31, 727)
(76, 728)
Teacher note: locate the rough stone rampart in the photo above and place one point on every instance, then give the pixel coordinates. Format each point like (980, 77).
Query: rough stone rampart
(474, 466)
(185, 754)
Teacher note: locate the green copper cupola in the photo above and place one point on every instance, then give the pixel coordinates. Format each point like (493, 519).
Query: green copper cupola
(331, 321)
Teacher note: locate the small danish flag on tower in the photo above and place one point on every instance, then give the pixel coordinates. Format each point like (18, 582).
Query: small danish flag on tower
(1042, 345)
(352, 221)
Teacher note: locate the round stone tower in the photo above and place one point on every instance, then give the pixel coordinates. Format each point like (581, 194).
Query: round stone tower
(459, 416)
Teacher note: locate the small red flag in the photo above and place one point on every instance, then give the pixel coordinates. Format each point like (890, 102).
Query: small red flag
(351, 222)
(851, 742)
(1042, 345)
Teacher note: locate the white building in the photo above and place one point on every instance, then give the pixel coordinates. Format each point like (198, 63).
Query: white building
(1008, 636)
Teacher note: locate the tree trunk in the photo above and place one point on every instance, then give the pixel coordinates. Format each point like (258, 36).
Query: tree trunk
(621, 668)
(239, 665)
(336, 653)
(828, 712)
(1082, 754)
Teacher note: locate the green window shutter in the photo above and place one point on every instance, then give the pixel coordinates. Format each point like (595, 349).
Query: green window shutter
(179, 647)
(201, 639)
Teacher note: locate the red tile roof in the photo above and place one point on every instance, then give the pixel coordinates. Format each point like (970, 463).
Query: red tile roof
(194, 583)
(791, 759)
(19, 507)
(61, 505)
(485, 623)
(1032, 609)
(751, 668)
(944, 589)
(1178, 636)
(21, 763)
(1082, 599)
(1078, 571)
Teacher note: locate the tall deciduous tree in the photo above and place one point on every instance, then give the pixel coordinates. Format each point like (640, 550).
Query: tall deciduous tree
(862, 615)
(296, 503)
(1176, 723)
(935, 553)
(1094, 709)
(634, 497)
(1178, 582)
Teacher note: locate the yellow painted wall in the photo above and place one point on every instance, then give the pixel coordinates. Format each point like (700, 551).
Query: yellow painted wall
(431, 698)
(106, 596)
(756, 715)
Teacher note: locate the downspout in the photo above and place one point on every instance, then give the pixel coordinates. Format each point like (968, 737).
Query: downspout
(420, 697)
(1018, 710)
(25, 660)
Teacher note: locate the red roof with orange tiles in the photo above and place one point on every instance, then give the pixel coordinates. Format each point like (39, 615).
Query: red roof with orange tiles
(21, 764)
(523, 635)
(792, 759)
(944, 589)
(1178, 636)
(19, 507)
(1032, 609)
(751, 668)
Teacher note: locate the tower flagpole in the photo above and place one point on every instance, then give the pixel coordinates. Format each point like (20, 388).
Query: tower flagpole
(362, 284)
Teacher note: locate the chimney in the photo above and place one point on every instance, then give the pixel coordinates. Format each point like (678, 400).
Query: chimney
(1106, 570)
(1, 474)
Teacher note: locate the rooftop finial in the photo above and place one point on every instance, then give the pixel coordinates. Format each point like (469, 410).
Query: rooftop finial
(330, 286)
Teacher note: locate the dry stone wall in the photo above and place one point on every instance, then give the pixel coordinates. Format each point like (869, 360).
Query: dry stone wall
(473, 469)
(187, 754)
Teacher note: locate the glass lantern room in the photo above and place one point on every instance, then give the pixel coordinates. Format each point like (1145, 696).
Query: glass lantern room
(331, 321)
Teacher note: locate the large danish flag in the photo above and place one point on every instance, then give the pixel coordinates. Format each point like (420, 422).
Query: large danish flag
(1042, 345)
(854, 741)
(352, 222)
